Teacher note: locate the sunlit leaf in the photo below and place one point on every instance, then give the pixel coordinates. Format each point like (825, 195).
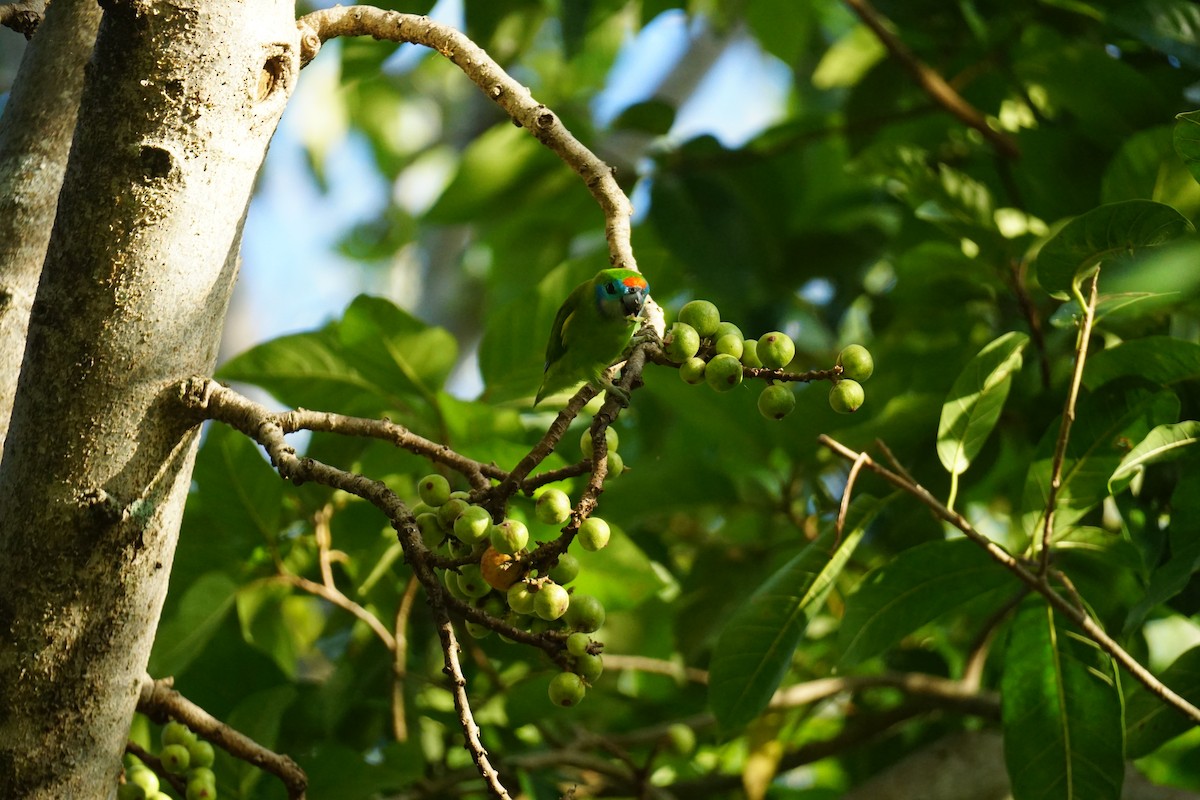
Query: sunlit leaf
(1159, 359)
(1150, 722)
(1112, 231)
(1171, 26)
(1061, 709)
(973, 406)
(1164, 443)
(1187, 141)
(1124, 305)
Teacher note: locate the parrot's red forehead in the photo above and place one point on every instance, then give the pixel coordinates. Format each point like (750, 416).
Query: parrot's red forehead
(635, 282)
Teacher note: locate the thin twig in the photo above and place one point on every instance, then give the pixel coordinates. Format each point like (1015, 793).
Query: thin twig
(1068, 418)
(159, 701)
(1038, 583)
(301, 419)
(916, 684)
(844, 507)
(895, 462)
(930, 81)
(1018, 271)
(324, 537)
(400, 659)
(208, 399)
(333, 595)
(501, 88)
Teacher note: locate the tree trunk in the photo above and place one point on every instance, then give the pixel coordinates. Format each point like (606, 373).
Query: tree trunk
(179, 102)
(35, 137)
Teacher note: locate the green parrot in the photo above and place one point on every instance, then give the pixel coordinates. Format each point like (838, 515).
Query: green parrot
(591, 330)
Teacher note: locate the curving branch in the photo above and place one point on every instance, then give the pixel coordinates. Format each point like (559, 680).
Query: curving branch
(327, 422)
(931, 82)
(159, 701)
(1073, 609)
(24, 16)
(207, 399)
(516, 100)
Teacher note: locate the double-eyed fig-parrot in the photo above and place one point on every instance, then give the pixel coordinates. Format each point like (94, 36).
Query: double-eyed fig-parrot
(591, 330)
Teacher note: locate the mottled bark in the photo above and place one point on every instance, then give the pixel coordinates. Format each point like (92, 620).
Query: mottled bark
(179, 102)
(35, 138)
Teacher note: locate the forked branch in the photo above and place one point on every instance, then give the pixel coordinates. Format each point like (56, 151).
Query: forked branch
(516, 100)
(1073, 610)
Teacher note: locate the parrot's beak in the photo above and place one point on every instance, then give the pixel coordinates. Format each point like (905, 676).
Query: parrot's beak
(632, 301)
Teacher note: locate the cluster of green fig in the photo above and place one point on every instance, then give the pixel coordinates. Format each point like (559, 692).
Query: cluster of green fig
(715, 352)
(182, 754)
(498, 578)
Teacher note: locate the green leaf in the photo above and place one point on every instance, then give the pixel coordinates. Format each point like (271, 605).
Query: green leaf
(1108, 232)
(378, 359)
(497, 167)
(1127, 305)
(782, 27)
(303, 370)
(512, 354)
(236, 492)
(754, 651)
(200, 612)
(921, 584)
(848, 59)
(1106, 422)
(283, 624)
(1170, 577)
(1164, 443)
(653, 117)
(620, 575)
(1149, 722)
(397, 353)
(1163, 360)
(975, 401)
(1187, 141)
(1061, 710)
(1170, 26)
(259, 716)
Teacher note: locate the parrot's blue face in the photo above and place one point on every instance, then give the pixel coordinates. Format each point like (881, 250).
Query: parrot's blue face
(622, 297)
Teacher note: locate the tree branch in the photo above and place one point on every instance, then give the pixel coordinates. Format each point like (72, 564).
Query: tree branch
(931, 82)
(386, 430)
(23, 17)
(1068, 418)
(515, 99)
(400, 660)
(1037, 582)
(159, 701)
(209, 399)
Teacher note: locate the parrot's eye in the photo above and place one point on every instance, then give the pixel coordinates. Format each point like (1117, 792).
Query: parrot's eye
(611, 288)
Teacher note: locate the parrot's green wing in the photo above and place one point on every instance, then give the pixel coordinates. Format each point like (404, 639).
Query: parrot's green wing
(556, 348)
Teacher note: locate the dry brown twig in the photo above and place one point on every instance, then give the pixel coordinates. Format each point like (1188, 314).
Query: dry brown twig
(209, 399)
(268, 429)
(1039, 583)
(931, 82)
(158, 700)
(393, 26)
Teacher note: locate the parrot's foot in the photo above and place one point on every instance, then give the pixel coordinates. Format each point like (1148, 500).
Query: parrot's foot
(645, 335)
(616, 392)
